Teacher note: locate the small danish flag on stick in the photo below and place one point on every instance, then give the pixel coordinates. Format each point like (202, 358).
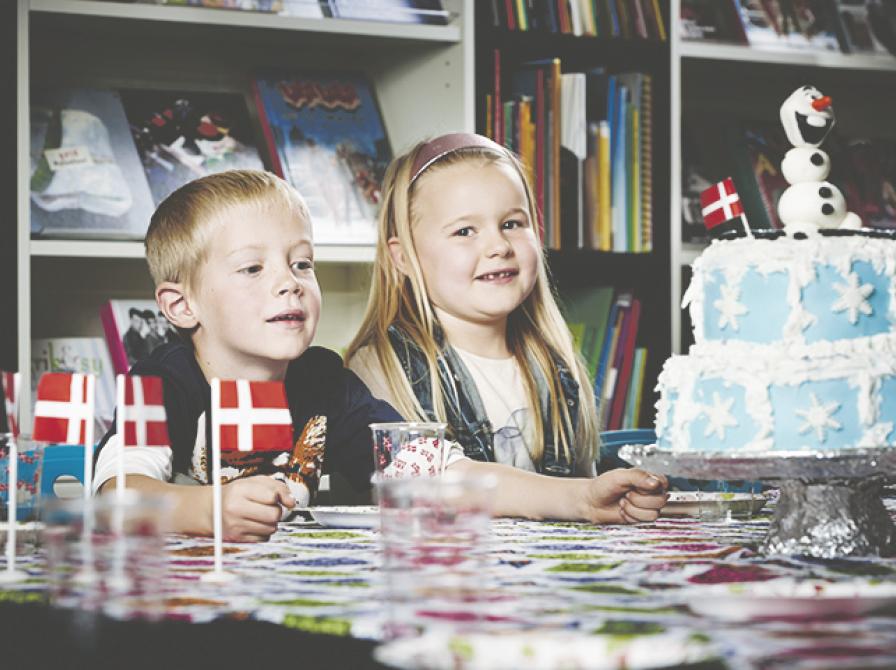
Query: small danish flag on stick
(63, 414)
(246, 416)
(719, 204)
(10, 382)
(140, 419)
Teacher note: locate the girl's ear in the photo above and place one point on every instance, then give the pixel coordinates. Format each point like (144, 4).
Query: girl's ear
(397, 254)
(172, 300)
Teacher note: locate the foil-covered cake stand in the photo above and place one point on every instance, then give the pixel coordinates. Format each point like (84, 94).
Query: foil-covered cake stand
(830, 504)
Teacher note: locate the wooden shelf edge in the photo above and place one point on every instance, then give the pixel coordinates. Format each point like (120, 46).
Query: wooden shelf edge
(245, 19)
(333, 253)
(830, 59)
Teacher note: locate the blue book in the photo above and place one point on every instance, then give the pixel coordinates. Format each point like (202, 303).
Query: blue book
(326, 137)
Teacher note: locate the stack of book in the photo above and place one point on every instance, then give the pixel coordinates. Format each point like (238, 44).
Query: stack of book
(594, 18)
(587, 141)
(604, 324)
(850, 26)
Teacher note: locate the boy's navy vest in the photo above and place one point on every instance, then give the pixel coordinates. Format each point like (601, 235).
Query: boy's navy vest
(469, 424)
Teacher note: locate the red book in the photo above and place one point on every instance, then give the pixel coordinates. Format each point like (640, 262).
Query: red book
(627, 353)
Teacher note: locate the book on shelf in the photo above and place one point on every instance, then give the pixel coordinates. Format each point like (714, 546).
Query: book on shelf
(856, 28)
(77, 354)
(267, 6)
(599, 195)
(587, 311)
(86, 178)
(865, 171)
(184, 135)
(641, 19)
(789, 24)
(326, 137)
(395, 11)
(711, 21)
(133, 329)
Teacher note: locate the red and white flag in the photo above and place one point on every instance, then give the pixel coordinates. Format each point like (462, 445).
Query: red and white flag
(251, 416)
(720, 203)
(143, 412)
(64, 408)
(10, 383)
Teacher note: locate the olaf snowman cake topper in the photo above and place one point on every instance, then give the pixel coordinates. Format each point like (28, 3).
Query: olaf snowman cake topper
(810, 202)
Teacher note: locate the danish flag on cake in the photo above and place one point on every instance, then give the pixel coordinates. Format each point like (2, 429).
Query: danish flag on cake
(64, 408)
(252, 416)
(10, 383)
(143, 412)
(720, 203)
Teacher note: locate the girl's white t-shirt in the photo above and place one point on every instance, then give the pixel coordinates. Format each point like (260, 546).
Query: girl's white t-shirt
(503, 395)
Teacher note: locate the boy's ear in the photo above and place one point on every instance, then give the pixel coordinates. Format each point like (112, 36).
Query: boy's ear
(172, 300)
(397, 254)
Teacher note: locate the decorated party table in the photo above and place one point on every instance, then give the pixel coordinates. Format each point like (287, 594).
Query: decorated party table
(676, 583)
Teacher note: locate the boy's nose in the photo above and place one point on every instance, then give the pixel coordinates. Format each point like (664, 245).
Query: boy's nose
(289, 284)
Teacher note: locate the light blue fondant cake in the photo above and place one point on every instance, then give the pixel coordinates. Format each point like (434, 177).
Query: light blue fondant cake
(795, 348)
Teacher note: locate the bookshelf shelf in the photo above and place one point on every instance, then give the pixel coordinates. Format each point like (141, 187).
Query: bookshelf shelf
(824, 59)
(346, 253)
(422, 75)
(246, 21)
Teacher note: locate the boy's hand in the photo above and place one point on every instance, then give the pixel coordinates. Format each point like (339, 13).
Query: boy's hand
(250, 508)
(625, 496)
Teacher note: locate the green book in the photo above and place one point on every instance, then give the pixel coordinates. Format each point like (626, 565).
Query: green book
(586, 311)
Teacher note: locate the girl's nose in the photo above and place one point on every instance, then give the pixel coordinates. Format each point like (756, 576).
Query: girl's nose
(498, 245)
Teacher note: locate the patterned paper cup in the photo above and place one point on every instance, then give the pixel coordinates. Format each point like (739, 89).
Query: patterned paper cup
(408, 449)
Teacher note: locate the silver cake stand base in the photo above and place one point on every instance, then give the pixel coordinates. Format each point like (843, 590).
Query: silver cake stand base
(830, 504)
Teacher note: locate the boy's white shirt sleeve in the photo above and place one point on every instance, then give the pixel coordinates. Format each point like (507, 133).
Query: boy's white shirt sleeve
(455, 453)
(155, 462)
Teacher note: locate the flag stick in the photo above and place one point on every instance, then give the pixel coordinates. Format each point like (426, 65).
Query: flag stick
(119, 430)
(12, 468)
(88, 437)
(217, 574)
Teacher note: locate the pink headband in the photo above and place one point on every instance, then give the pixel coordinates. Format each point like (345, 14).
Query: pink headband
(436, 149)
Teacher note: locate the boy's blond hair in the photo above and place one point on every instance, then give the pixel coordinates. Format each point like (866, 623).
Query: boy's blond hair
(179, 231)
(536, 329)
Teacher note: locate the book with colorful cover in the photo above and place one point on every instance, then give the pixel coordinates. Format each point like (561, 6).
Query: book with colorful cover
(396, 11)
(710, 20)
(184, 135)
(86, 177)
(624, 357)
(794, 24)
(766, 145)
(134, 328)
(82, 355)
(587, 311)
(326, 137)
(865, 171)
(856, 31)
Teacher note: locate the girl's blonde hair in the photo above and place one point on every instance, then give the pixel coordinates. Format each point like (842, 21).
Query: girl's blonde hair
(536, 329)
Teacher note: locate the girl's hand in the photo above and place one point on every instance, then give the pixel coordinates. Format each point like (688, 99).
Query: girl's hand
(625, 496)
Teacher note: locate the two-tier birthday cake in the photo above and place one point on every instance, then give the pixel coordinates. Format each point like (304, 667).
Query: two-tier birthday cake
(795, 333)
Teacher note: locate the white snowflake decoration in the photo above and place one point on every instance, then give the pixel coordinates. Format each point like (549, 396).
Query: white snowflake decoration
(818, 418)
(729, 306)
(876, 435)
(853, 297)
(718, 416)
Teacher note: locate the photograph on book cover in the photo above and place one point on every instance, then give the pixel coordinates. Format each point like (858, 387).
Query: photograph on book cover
(134, 328)
(326, 137)
(86, 178)
(184, 135)
(796, 24)
(397, 11)
(82, 355)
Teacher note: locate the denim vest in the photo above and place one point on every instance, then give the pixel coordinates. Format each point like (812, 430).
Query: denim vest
(467, 420)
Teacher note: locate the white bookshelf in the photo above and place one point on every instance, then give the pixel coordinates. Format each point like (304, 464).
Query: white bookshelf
(752, 83)
(423, 77)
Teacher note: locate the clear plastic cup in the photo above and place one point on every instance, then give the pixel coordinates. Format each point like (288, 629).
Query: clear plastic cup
(436, 542)
(108, 553)
(28, 499)
(409, 449)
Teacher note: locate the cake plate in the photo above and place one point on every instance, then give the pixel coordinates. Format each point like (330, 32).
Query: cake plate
(830, 504)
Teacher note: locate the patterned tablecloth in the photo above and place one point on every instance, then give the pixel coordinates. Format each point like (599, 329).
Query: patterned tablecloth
(620, 580)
